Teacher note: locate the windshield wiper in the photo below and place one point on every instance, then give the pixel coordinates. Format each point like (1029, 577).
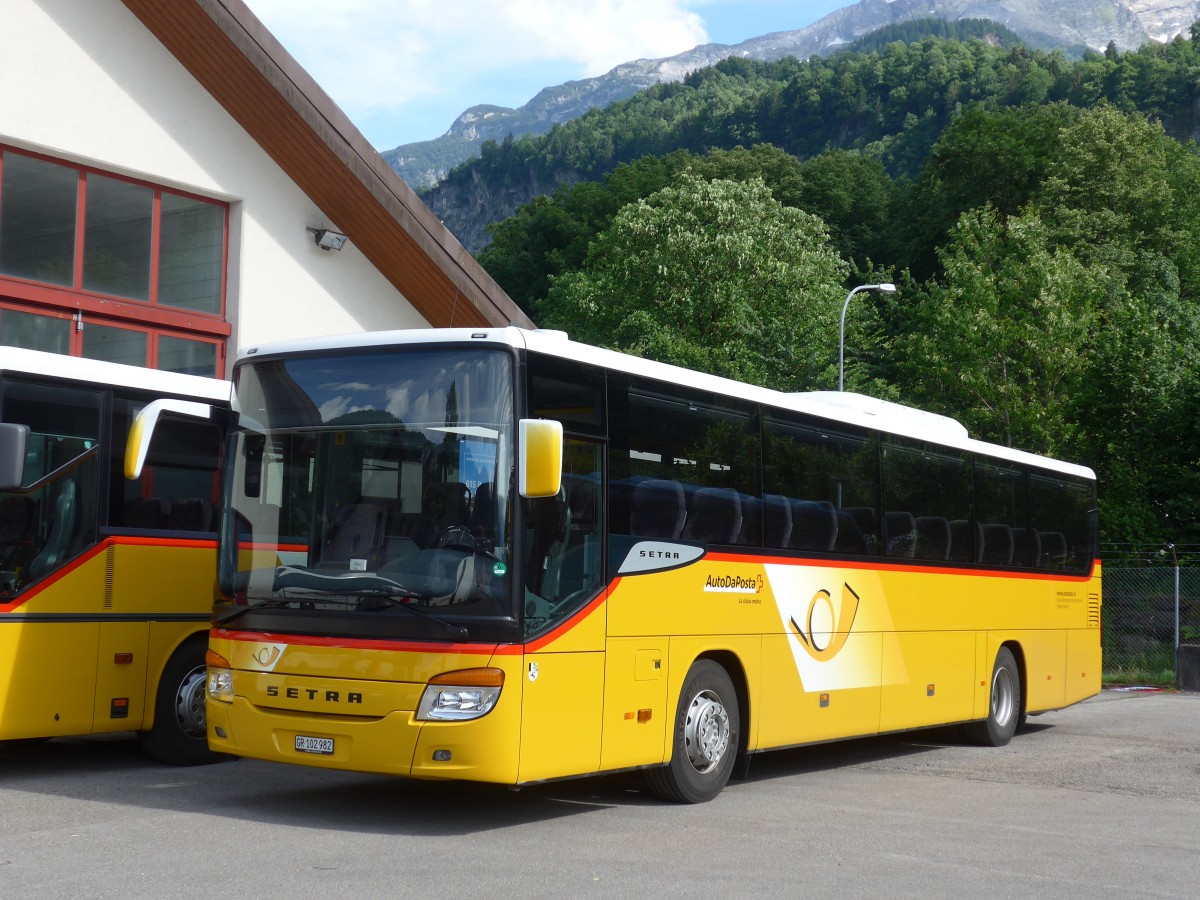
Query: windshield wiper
(365, 591)
(233, 612)
(372, 592)
(373, 602)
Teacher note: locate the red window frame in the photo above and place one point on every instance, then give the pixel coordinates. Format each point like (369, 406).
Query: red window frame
(87, 306)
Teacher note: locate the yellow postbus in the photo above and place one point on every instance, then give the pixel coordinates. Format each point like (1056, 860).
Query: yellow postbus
(504, 556)
(106, 585)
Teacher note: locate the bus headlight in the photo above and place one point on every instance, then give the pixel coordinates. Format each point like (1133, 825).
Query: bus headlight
(220, 678)
(465, 694)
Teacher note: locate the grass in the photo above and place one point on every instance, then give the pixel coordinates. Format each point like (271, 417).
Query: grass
(1153, 668)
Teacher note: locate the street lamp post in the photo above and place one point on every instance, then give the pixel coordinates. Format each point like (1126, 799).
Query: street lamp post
(884, 288)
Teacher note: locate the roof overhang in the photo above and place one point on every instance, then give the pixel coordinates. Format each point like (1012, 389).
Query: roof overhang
(231, 53)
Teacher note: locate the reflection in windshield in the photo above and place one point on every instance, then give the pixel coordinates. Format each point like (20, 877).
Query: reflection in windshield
(376, 475)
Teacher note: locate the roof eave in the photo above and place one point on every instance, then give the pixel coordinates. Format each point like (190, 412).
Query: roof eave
(248, 72)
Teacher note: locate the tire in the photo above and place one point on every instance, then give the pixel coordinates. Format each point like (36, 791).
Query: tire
(179, 734)
(1004, 705)
(706, 738)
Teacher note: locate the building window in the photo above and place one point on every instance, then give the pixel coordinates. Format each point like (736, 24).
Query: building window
(102, 266)
(38, 209)
(190, 357)
(120, 345)
(190, 254)
(116, 239)
(35, 332)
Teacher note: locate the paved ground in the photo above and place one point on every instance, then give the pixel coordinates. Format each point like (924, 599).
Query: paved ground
(1099, 800)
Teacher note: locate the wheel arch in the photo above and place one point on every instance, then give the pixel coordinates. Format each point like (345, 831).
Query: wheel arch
(161, 661)
(732, 664)
(1014, 647)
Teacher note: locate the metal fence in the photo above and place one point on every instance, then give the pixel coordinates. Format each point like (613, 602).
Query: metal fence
(1148, 612)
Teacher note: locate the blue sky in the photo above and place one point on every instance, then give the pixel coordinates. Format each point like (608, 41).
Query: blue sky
(403, 70)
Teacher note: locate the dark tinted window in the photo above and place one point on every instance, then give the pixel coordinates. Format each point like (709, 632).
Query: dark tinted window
(567, 391)
(683, 465)
(1002, 515)
(1063, 510)
(178, 493)
(821, 488)
(926, 502)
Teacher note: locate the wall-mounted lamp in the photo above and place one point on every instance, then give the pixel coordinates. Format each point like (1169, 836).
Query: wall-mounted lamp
(328, 240)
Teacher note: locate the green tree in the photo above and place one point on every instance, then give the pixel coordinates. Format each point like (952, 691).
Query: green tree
(1001, 340)
(984, 156)
(551, 235)
(854, 196)
(1126, 195)
(713, 275)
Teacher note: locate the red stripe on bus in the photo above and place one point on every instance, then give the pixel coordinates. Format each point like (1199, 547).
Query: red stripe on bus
(94, 551)
(305, 640)
(900, 567)
(573, 620)
(422, 646)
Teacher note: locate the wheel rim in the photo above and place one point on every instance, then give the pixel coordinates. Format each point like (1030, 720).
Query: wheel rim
(706, 732)
(189, 704)
(1003, 696)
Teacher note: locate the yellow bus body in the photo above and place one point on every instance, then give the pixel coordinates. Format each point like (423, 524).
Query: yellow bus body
(818, 650)
(83, 651)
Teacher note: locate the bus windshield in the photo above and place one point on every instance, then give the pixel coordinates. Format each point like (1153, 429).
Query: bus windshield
(368, 495)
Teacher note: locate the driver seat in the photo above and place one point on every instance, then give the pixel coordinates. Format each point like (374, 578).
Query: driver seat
(446, 504)
(356, 534)
(61, 529)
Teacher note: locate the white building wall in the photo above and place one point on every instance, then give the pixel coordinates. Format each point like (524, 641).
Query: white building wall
(85, 81)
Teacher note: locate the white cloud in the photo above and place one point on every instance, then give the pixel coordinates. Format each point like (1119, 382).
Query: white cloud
(379, 56)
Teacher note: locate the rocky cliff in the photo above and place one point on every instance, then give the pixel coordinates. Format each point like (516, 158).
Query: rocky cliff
(467, 206)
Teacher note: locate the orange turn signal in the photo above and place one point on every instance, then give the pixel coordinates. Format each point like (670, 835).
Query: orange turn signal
(484, 677)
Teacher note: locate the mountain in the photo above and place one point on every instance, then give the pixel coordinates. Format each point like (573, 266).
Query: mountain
(1073, 25)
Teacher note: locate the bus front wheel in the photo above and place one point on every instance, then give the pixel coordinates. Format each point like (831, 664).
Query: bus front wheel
(1004, 705)
(178, 736)
(705, 741)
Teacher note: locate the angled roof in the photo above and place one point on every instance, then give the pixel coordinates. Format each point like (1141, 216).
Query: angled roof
(229, 51)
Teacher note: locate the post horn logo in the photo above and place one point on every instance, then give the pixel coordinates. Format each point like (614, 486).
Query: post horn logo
(267, 655)
(828, 624)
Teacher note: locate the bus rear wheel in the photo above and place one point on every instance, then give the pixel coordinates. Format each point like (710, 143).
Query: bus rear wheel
(179, 734)
(706, 738)
(1004, 705)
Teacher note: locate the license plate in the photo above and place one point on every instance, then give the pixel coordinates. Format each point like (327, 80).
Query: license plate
(323, 746)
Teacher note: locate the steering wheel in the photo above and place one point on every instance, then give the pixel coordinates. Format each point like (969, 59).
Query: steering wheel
(456, 537)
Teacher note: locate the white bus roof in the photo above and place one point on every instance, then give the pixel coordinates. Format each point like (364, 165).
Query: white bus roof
(835, 406)
(92, 371)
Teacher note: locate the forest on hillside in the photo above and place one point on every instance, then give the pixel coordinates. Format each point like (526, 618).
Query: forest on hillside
(1039, 215)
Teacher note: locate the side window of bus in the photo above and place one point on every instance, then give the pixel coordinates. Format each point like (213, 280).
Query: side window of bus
(683, 466)
(54, 517)
(1063, 511)
(926, 503)
(820, 488)
(1002, 516)
(178, 490)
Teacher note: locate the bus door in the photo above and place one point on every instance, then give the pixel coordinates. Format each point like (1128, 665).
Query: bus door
(162, 558)
(564, 656)
(49, 627)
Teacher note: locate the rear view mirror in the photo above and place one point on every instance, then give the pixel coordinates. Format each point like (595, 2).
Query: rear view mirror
(541, 449)
(141, 437)
(13, 440)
